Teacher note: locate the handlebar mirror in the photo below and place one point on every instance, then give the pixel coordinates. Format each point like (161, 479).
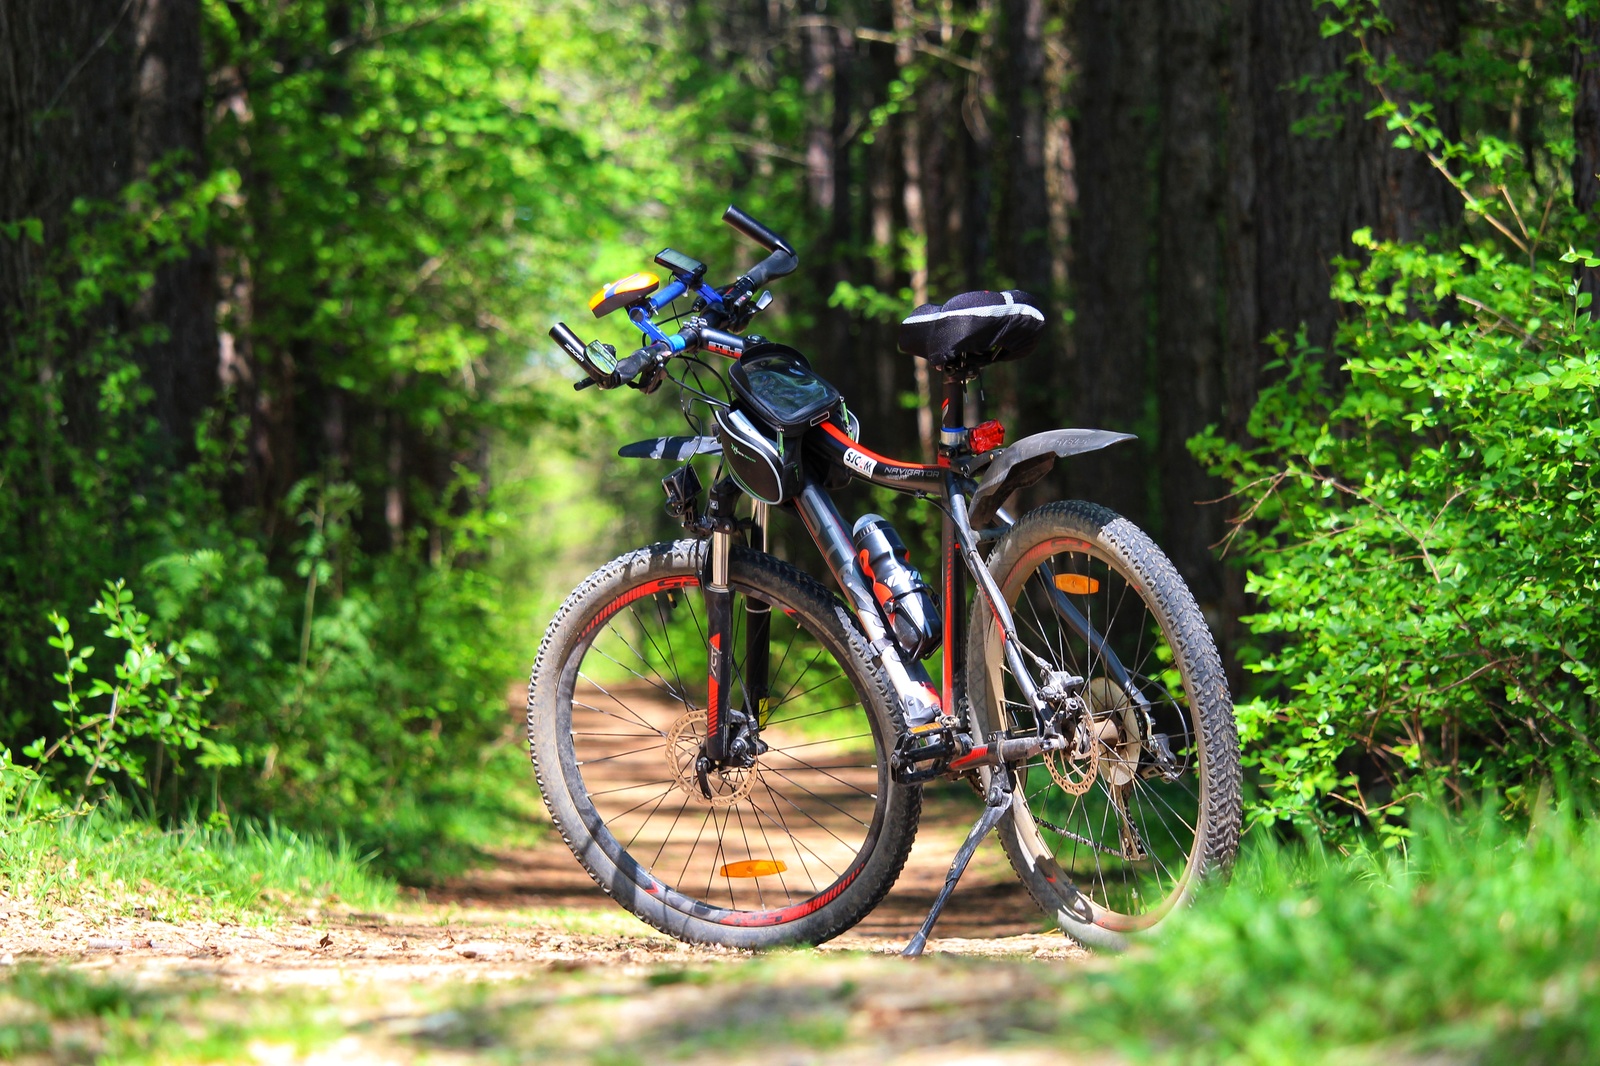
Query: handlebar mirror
(597, 359)
(600, 359)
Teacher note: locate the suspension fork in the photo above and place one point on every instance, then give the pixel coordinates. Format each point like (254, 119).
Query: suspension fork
(719, 637)
(758, 630)
(719, 619)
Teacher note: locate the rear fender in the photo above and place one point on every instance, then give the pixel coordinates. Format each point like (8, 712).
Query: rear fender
(1028, 460)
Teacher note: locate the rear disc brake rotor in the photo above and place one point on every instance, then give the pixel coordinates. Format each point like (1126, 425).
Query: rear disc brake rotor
(1116, 730)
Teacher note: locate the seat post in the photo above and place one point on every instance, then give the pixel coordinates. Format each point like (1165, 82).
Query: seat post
(960, 407)
(972, 408)
(956, 407)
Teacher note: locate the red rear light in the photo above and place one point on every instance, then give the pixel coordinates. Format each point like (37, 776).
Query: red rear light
(988, 435)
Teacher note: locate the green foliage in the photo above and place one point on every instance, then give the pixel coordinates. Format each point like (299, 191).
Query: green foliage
(81, 469)
(391, 196)
(1423, 544)
(148, 699)
(1419, 526)
(112, 862)
(1477, 945)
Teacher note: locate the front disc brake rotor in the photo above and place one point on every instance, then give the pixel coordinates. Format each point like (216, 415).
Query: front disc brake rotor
(685, 741)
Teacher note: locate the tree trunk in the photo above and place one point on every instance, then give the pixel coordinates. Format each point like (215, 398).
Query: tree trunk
(1188, 280)
(1301, 183)
(169, 131)
(916, 214)
(1112, 259)
(1586, 143)
(1028, 221)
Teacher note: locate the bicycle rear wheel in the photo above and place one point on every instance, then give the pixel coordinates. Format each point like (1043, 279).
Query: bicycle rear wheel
(1110, 840)
(797, 847)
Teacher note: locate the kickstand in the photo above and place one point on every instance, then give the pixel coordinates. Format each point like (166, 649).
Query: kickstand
(997, 804)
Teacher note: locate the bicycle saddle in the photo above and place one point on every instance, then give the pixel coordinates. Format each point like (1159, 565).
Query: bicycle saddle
(974, 329)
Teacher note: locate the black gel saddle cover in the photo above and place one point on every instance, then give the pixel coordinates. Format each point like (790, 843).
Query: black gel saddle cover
(974, 329)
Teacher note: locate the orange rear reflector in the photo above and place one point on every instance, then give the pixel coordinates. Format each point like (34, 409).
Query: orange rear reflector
(1077, 584)
(754, 868)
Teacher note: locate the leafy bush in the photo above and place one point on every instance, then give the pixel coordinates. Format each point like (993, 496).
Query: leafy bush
(1423, 542)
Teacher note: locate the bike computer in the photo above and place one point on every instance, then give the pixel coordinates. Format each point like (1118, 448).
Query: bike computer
(685, 268)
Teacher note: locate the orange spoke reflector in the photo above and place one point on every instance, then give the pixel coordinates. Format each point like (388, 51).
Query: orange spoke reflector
(754, 868)
(1077, 584)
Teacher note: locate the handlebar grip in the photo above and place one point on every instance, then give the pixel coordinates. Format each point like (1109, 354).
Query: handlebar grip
(776, 265)
(748, 226)
(629, 368)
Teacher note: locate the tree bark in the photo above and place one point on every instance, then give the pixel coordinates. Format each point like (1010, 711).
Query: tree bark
(1302, 181)
(914, 203)
(1112, 259)
(169, 131)
(1028, 255)
(1188, 343)
(1586, 143)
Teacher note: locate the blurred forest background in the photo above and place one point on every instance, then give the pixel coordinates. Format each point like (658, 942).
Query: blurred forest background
(275, 277)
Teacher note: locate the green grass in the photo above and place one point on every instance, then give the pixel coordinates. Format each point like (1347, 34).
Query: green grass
(58, 1015)
(113, 863)
(1481, 944)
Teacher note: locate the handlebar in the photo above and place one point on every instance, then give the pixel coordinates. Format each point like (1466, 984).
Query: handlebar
(731, 307)
(630, 367)
(748, 226)
(782, 261)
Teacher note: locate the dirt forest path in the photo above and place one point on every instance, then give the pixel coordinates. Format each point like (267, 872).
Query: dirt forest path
(526, 959)
(530, 907)
(989, 903)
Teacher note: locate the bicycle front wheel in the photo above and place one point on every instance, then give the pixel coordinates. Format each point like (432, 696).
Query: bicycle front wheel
(796, 847)
(1109, 839)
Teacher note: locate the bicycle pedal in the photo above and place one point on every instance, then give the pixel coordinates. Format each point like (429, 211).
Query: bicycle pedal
(924, 752)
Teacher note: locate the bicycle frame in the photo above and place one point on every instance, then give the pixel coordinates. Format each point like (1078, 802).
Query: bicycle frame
(939, 710)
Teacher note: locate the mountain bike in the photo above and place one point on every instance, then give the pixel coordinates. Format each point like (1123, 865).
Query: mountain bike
(736, 754)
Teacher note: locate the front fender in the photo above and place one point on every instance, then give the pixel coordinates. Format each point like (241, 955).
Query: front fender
(677, 449)
(1028, 460)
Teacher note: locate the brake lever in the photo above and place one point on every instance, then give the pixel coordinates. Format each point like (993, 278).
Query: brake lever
(653, 381)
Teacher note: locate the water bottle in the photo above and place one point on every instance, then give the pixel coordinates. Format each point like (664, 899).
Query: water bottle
(908, 607)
